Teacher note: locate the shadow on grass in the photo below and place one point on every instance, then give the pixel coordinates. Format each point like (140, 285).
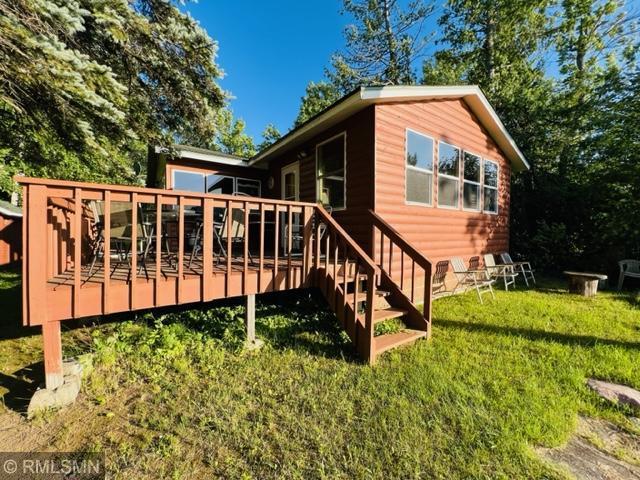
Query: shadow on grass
(21, 386)
(536, 335)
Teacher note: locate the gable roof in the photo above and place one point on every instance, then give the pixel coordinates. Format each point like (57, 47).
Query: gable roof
(365, 96)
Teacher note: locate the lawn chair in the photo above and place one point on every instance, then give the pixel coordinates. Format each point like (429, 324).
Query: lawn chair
(438, 285)
(505, 272)
(520, 267)
(238, 232)
(478, 279)
(628, 268)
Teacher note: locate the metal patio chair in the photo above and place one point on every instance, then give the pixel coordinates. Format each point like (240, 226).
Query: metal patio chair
(628, 269)
(477, 279)
(520, 267)
(504, 272)
(438, 284)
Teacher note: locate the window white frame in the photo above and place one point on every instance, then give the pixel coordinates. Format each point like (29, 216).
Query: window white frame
(344, 143)
(418, 169)
(204, 176)
(496, 188)
(471, 182)
(444, 175)
(191, 172)
(290, 168)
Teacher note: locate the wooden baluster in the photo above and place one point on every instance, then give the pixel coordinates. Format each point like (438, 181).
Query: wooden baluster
(77, 251)
(426, 312)
(335, 273)
(207, 249)
(390, 258)
(368, 347)
(180, 258)
(261, 268)
(106, 232)
(356, 285)
(316, 260)
(276, 246)
(245, 266)
(158, 245)
(229, 247)
(413, 280)
(307, 249)
(289, 243)
(134, 251)
(401, 270)
(345, 274)
(381, 250)
(326, 261)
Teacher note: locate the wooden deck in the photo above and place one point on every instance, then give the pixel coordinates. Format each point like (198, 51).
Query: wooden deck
(75, 265)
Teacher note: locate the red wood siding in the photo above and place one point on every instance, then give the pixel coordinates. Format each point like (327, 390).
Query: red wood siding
(437, 232)
(359, 172)
(10, 239)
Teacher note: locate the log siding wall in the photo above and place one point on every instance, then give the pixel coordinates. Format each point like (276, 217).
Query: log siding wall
(439, 233)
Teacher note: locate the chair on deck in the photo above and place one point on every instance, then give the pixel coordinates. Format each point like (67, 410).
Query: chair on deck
(520, 267)
(478, 279)
(505, 272)
(237, 231)
(438, 284)
(628, 269)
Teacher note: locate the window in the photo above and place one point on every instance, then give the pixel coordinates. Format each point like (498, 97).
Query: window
(219, 184)
(448, 175)
(248, 186)
(330, 172)
(189, 181)
(471, 187)
(419, 171)
(490, 186)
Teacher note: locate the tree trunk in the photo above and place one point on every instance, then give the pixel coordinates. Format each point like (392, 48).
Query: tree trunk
(393, 71)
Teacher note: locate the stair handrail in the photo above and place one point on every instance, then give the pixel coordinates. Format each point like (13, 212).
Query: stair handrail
(399, 240)
(419, 318)
(334, 225)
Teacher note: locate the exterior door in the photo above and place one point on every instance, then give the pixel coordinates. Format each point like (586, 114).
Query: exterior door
(290, 181)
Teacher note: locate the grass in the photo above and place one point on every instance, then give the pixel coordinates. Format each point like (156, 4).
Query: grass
(176, 396)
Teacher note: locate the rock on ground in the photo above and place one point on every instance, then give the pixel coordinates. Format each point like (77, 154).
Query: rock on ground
(599, 451)
(616, 393)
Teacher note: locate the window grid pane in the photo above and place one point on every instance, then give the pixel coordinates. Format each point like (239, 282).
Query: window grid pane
(471, 167)
(491, 200)
(448, 159)
(490, 174)
(448, 192)
(471, 196)
(330, 173)
(419, 184)
(419, 151)
(188, 181)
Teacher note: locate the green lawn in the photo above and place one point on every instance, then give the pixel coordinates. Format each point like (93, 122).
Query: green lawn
(178, 397)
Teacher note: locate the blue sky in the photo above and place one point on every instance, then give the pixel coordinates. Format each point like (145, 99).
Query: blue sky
(269, 51)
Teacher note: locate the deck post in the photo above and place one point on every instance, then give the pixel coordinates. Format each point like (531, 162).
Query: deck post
(250, 318)
(52, 346)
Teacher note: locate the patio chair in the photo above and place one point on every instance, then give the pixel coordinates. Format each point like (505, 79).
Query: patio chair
(438, 284)
(520, 267)
(628, 268)
(504, 272)
(238, 231)
(478, 279)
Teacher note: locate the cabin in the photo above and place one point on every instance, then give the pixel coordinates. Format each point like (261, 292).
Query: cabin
(360, 201)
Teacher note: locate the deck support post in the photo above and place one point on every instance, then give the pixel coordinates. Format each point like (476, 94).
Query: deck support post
(52, 346)
(250, 318)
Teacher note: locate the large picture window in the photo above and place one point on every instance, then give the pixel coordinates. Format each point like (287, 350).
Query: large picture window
(490, 186)
(471, 181)
(448, 175)
(188, 181)
(419, 168)
(330, 172)
(220, 185)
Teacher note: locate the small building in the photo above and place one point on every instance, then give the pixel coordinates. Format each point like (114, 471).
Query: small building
(359, 202)
(10, 233)
(433, 162)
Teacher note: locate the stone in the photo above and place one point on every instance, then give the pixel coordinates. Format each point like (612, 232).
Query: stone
(256, 344)
(616, 393)
(62, 396)
(71, 367)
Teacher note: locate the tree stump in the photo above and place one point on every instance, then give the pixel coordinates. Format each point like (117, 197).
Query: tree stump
(583, 283)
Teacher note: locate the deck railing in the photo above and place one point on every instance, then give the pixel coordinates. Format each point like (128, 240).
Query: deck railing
(393, 254)
(92, 249)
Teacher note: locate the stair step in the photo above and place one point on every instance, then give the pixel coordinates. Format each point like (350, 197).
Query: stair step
(387, 313)
(383, 343)
(362, 296)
